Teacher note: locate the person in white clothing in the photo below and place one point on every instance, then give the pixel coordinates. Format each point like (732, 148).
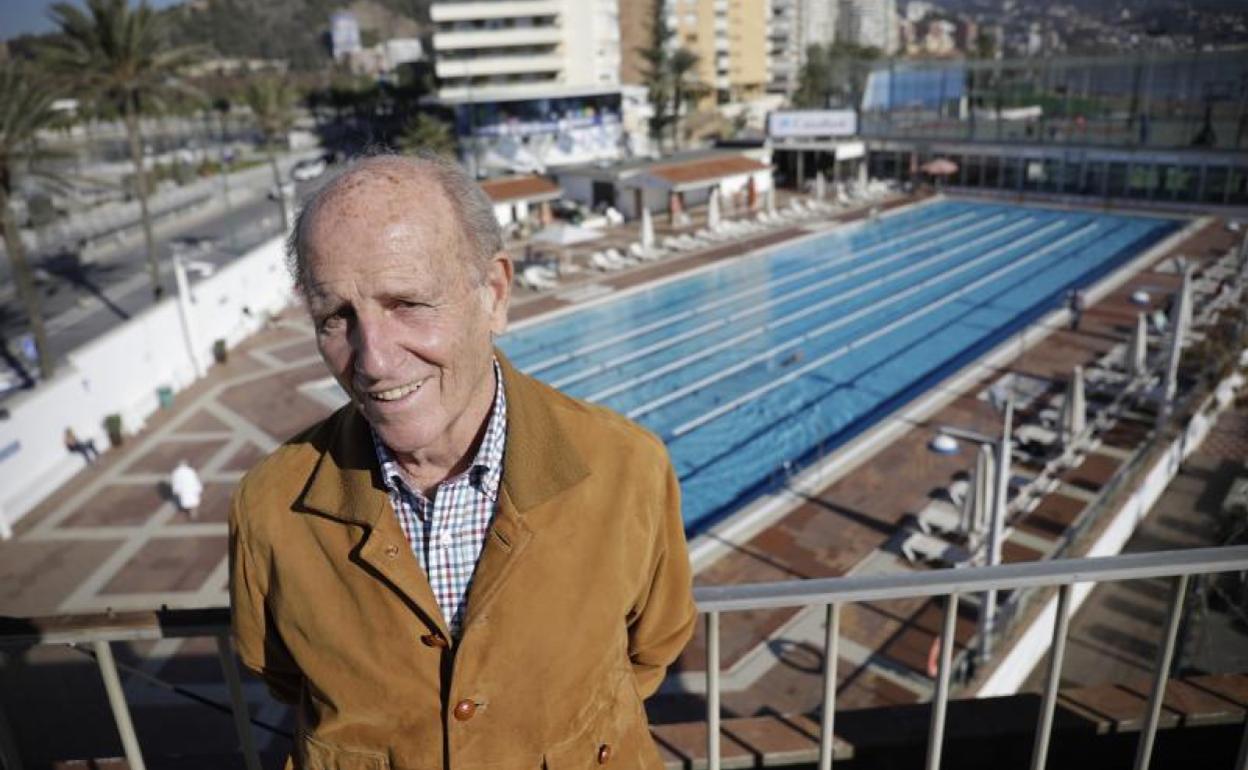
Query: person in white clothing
(187, 488)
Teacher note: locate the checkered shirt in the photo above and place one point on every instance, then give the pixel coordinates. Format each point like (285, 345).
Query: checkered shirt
(447, 534)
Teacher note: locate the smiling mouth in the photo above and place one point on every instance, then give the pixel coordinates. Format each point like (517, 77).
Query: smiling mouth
(394, 394)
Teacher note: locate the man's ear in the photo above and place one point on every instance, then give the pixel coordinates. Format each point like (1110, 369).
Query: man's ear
(498, 277)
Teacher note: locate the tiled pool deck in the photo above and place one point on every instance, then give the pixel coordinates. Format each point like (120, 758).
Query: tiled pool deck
(110, 538)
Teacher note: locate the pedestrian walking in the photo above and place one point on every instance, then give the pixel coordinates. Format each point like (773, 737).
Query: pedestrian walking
(186, 487)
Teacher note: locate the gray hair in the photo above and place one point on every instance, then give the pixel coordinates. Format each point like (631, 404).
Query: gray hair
(478, 224)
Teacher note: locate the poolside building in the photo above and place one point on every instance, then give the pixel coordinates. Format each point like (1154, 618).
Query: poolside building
(673, 185)
(1150, 129)
(521, 199)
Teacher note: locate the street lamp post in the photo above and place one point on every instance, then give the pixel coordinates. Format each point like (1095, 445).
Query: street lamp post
(190, 335)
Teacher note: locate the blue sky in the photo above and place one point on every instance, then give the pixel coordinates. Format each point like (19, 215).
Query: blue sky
(19, 17)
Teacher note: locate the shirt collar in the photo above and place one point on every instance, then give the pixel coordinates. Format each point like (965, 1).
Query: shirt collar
(486, 470)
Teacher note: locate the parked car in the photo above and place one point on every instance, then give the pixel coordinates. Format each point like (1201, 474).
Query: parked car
(307, 169)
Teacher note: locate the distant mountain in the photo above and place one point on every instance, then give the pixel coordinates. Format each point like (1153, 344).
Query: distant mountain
(294, 30)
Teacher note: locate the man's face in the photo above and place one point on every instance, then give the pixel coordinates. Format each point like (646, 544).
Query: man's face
(403, 319)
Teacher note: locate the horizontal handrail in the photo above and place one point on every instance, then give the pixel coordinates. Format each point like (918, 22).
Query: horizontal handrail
(970, 580)
(187, 623)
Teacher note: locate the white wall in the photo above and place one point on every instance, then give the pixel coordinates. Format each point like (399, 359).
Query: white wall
(120, 372)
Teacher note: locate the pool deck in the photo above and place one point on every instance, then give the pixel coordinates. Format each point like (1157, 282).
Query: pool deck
(110, 538)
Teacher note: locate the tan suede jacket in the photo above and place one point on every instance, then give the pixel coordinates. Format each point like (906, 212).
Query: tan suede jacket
(581, 599)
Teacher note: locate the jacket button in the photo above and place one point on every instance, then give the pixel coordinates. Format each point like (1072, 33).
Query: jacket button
(392, 551)
(464, 710)
(434, 640)
(604, 754)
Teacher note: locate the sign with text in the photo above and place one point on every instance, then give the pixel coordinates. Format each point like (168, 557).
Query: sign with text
(791, 124)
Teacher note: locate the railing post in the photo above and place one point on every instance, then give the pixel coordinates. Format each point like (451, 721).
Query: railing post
(10, 757)
(1144, 750)
(712, 690)
(1039, 754)
(936, 732)
(831, 634)
(1242, 762)
(117, 700)
(242, 715)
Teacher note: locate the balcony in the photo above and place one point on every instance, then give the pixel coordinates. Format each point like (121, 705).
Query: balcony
(474, 11)
(497, 38)
(498, 65)
(1201, 716)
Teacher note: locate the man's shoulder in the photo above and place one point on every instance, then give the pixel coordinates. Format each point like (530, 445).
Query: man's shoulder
(288, 467)
(595, 425)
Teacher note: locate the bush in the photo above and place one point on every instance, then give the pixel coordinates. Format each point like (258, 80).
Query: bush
(112, 425)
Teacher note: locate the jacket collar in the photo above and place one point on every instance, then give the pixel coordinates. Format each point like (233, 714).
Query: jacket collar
(539, 461)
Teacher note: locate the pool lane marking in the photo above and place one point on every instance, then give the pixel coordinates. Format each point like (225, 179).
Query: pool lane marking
(716, 323)
(660, 371)
(775, 323)
(892, 325)
(820, 331)
(824, 264)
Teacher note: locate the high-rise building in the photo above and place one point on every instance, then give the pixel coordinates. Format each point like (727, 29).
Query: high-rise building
(730, 39)
(868, 23)
(795, 26)
(784, 45)
(525, 47)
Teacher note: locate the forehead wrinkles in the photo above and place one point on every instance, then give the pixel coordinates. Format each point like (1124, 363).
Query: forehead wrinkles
(386, 214)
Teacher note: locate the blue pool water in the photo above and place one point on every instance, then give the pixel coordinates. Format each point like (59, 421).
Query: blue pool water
(786, 355)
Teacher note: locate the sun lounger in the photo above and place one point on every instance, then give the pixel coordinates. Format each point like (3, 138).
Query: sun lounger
(600, 261)
(537, 278)
(940, 516)
(922, 548)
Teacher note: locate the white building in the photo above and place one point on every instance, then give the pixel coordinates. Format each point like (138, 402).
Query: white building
(344, 34)
(868, 23)
(784, 45)
(525, 48)
(794, 26)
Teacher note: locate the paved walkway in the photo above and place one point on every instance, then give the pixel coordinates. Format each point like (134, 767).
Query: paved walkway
(1114, 637)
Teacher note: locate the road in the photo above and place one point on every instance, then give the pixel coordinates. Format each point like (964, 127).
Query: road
(84, 300)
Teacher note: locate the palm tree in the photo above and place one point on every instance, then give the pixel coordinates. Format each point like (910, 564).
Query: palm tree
(426, 132)
(25, 107)
(120, 54)
(682, 64)
(272, 103)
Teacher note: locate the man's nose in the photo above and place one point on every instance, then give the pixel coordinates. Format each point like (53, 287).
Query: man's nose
(374, 346)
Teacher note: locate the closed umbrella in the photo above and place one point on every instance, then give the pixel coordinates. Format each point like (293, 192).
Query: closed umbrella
(976, 506)
(821, 186)
(771, 201)
(1139, 346)
(647, 230)
(1181, 317)
(1074, 408)
(712, 210)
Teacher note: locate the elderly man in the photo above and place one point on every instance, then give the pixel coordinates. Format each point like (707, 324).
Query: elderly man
(462, 568)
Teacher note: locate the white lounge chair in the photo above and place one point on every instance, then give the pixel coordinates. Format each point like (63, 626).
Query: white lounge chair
(600, 261)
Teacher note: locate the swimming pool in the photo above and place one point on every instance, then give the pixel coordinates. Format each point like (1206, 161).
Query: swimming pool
(778, 357)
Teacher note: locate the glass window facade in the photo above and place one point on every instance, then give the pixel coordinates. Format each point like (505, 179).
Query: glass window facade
(1193, 100)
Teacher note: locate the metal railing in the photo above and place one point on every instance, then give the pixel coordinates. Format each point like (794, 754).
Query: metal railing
(99, 632)
(833, 593)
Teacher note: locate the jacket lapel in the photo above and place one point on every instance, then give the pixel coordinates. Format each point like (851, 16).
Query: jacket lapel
(539, 463)
(346, 485)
